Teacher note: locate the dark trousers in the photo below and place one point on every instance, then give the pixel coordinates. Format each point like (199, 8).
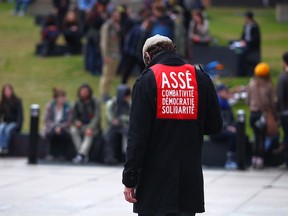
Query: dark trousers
(93, 60)
(247, 60)
(169, 214)
(48, 48)
(226, 136)
(284, 123)
(73, 41)
(82, 22)
(260, 134)
(61, 144)
(113, 144)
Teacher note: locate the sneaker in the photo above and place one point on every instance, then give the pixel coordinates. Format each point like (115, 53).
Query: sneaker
(254, 161)
(231, 165)
(80, 159)
(4, 151)
(21, 14)
(259, 163)
(50, 158)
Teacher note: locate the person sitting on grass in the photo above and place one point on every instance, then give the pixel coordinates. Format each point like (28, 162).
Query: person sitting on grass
(56, 126)
(50, 33)
(85, 123)
(11, 116)
(72, 33)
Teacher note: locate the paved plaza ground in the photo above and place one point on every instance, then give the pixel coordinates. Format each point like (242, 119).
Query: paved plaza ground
(61, 190)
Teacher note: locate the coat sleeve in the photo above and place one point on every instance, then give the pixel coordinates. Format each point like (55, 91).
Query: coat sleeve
(141, 118)
(213, 117)
(255, 36)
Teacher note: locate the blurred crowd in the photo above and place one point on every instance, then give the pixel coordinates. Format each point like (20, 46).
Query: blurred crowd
(111, 37)
(73, 130)
(267, 107)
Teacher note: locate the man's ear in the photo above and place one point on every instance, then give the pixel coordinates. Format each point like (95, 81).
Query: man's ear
(147, 58)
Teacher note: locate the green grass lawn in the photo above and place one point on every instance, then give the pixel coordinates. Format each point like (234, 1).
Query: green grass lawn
(34, 77)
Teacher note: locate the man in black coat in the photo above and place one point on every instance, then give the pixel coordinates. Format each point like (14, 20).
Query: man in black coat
(173, 106)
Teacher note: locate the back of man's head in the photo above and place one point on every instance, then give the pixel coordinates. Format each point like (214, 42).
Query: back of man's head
(155, 45)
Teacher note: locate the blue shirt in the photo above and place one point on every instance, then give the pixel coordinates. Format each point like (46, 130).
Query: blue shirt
(84, 5)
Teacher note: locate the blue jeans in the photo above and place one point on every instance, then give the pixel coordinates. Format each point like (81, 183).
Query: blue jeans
(284, 123)
(6, 130)
(93, 60)
(25, 4)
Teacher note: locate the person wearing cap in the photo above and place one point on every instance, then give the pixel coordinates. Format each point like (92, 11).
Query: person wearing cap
(228, 132)
(173, 106)
(282, 97)
(261, 100)
(251, 45)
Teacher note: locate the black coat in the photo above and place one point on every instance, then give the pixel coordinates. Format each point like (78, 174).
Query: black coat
(164, 155)
(12, 112)
(255, 42)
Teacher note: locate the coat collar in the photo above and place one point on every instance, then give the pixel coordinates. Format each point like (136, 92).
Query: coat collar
(166, 58)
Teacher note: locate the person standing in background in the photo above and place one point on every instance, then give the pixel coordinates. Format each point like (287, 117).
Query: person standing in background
(282, 96)
(84, 7)
(251, 46)
(261, 100)
(179, 31)
(198, 32)
(110, 50)
(95, 19)
(132, 54)
(163, 24)
(21, 4)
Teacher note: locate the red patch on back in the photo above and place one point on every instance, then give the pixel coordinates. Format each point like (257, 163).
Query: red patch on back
(177, 91)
